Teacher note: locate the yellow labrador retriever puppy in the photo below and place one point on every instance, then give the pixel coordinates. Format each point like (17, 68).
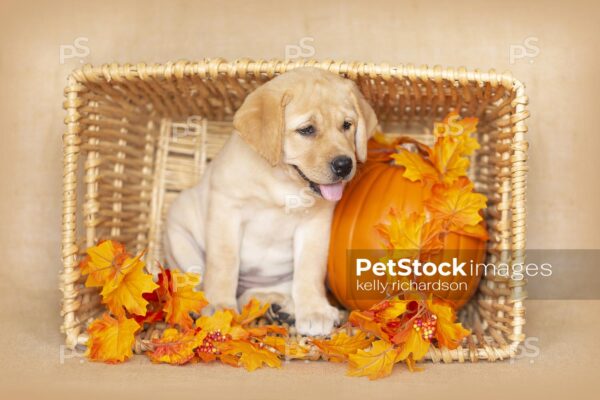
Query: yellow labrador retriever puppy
(250, 227)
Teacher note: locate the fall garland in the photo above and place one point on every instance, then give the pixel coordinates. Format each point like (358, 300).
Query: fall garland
(399, 329)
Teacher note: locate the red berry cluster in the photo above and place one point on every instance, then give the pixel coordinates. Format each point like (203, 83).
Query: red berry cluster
(427, 327)
(208, 344)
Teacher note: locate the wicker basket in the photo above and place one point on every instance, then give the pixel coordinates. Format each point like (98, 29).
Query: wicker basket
(123, 165)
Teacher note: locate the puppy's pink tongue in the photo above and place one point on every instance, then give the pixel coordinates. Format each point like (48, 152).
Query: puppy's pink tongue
(332, 192)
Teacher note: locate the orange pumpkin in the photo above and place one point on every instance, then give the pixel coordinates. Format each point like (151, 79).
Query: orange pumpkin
(366, 203)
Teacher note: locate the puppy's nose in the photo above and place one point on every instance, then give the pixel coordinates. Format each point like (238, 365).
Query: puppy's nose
(341, 166)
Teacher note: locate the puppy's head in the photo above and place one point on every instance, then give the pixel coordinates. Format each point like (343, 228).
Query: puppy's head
(311, 122)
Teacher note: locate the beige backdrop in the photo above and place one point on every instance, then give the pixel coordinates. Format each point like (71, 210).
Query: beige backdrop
(555, 43)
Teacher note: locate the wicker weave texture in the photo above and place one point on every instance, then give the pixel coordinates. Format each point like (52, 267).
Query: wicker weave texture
(137, 134)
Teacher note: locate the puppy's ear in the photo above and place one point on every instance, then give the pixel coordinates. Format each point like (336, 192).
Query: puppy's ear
(260, 122)
(367, 121)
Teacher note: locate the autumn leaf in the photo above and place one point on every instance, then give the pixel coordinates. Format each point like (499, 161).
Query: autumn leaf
(394, 310)
(278, 343)
(111, 340)
(416, 167)
(251, 311)
(175, 347)
(414, 346)
(103, 263)
(220, 321)
(460, 129)
(341, 345)
(261, 331)
(410, 235)
(376, 362)
(457, 205)
(448, 333)
(128, 294)
(447, 159)
(181, 298)
(365, 321)
(250, 356)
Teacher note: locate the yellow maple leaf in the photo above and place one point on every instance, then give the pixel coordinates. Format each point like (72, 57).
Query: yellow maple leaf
(220, 321)
(447, 159)
(175, 347)
(396, 308)
(460, 129)
(111, 340)
(127, 294)
(181, 298)
(103, 263)
(341, 345)
(251, 357)
(416, 167)
(410, 235)
(276, 342)
(251, 311)
(414, 346)
(376, 362)
(457, 206)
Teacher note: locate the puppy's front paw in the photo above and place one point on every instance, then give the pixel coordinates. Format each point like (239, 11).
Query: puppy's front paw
(316, 321)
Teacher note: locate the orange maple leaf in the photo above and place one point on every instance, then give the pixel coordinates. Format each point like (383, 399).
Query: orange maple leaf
(111, 340)
(251, 311)
(103, 263)
(449, 334)
(180, 297)
(175, 347)
(251, 357)
(128, 293)
(457, 206)
(375, 362)
(341, 345)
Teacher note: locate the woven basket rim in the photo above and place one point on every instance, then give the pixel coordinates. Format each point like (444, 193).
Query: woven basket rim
(214, 67)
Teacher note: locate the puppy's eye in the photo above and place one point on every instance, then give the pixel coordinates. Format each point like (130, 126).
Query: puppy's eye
(307, 130)
(347, 125)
